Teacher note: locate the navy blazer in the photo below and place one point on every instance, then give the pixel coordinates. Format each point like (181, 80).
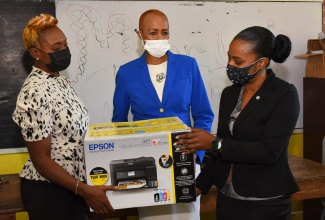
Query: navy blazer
(258, 147)
(184, 93)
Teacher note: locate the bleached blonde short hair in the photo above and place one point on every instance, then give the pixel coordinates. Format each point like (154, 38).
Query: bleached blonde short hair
(35, 26)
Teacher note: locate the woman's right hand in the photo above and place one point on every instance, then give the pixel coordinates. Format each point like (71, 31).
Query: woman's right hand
(96, 198)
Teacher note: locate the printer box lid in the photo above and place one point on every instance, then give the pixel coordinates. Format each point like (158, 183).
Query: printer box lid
(169, 124)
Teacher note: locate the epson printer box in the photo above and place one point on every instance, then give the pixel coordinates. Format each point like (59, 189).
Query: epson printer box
(139, 158)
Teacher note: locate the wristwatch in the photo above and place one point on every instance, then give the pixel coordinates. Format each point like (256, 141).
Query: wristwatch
(216, 144)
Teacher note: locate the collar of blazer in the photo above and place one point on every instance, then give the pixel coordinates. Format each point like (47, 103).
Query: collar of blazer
(268, 84)
(170, 76)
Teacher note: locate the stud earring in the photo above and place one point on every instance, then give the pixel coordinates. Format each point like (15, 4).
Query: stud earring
(37, 58)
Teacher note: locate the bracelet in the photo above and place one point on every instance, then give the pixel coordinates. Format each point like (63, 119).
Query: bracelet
(76, 190)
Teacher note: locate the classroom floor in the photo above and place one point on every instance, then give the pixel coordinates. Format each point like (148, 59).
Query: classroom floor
(204, 216)
(210, 216)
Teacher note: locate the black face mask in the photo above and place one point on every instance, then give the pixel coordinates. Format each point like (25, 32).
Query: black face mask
(60, 60)
(241, 75)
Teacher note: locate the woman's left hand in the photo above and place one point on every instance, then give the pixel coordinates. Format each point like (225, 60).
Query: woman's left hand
(198, 192)
(197, 139)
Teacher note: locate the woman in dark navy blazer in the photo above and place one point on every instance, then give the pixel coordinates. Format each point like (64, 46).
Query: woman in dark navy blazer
(257, 116)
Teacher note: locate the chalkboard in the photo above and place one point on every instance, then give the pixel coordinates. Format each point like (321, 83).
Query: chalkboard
(15, 64)
(101, 37)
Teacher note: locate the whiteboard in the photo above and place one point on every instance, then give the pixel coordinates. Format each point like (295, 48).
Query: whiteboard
(101, 37)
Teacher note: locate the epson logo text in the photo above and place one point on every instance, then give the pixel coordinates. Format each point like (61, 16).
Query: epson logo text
(101, 146)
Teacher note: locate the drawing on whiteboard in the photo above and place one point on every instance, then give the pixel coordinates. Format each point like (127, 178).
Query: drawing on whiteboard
(220, 52)
(84, 18)
(187, 49)
(270, 24)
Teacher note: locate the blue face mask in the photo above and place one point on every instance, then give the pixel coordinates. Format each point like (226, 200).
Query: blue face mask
(241, 75)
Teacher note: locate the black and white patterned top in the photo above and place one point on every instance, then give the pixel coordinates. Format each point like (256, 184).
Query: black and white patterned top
(48, 105)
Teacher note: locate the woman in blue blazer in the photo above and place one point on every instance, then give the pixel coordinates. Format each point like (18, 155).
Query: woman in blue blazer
(257, 116)
(162, 84)
(184, 94)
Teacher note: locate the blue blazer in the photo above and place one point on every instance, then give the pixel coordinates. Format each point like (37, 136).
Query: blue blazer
(184, 93)
(258, 148)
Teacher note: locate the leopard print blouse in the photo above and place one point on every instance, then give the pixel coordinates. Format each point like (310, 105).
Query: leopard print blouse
(48, 105)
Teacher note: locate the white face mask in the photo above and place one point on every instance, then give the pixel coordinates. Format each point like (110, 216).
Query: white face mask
(157, 48)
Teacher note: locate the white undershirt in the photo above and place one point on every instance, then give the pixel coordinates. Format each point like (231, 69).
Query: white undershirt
(155, 70)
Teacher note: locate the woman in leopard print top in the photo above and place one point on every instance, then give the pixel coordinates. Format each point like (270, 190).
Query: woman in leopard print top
(53, 121)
